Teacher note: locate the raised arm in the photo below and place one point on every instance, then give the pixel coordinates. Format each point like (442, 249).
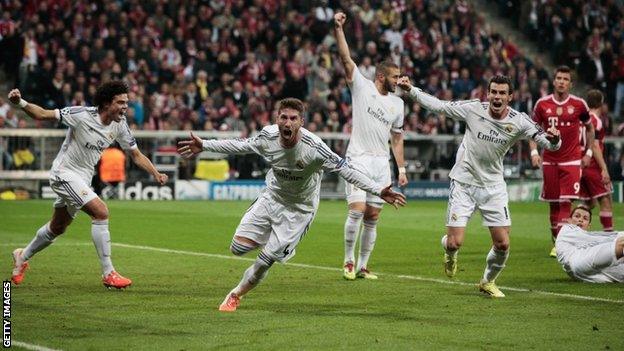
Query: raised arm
(34, 111)
(195, 145)
(343, 48)
(453, 109)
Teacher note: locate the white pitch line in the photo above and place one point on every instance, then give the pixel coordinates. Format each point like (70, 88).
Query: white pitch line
(303, 265)
(33, 347)
(400, 276)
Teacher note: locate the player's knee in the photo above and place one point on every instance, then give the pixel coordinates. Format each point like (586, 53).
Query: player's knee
(356, 215)
(371, 214)
(57, 228)
(240, 247)
(452, 244)
(501, 245)
(101, 214)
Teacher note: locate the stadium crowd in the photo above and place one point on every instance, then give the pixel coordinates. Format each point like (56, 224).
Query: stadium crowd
(588, 35)
(220, 65)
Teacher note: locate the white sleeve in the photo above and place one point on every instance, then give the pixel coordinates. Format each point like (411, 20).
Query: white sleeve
(454, 109)
(536, 133)
(397, 126)
(334, 163)
(70, 116)
(234, 146)
(125, 138)
(359, 82)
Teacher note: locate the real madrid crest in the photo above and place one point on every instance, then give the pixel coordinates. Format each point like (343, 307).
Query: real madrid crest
(509, 128)
(559, 111)
(300, 164)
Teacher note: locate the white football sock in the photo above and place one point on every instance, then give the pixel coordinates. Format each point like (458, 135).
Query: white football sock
(42, 239)
(102, 242)
(367, 242)
(351, 231)
(253, 275)
(495, 262)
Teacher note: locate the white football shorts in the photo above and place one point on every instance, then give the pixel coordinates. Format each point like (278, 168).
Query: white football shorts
(277, 227)
(376, 168)
(492, 202)
(71, 191)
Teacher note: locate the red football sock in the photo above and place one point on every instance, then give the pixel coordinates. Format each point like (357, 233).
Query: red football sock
(554, 219)
(606, 219)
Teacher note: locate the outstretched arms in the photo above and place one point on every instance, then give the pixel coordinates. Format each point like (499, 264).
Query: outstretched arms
(194, 145)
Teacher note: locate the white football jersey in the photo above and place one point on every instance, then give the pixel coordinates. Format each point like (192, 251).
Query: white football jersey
(374, 116)
(479, 159)
(86, 139)
(572, 238)
(295, 175)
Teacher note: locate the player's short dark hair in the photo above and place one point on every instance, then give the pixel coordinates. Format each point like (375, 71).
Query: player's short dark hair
(106, 92)
(501, 79)
(582, 208)
(384, 67)
(594, 98)
(292, 103)
(563, 69)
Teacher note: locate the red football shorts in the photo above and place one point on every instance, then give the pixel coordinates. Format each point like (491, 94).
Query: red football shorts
(592, 186)
(561, 182)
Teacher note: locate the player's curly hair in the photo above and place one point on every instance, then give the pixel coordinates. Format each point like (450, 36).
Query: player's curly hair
(292, 103)
(106, 92)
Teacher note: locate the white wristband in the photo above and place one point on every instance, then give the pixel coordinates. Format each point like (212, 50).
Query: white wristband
(534, 152)
(21, 104)
(589, 152)
(402, 170)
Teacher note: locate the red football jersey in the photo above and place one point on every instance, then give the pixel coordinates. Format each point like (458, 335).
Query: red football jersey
(600, 135)
(568, 116)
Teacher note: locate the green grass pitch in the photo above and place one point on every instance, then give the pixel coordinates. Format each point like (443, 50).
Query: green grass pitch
(177, 254)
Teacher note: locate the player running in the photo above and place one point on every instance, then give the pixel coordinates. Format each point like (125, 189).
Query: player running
(281, 216)
(562, 168)
(477, 177)
(377, 117)
(91, 130)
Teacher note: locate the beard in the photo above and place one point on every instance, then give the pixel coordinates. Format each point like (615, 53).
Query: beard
(389, 86)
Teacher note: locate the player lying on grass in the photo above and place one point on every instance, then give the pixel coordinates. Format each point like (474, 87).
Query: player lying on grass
(280, 217)
(595, 257)
(477, 177)
(91, 130)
